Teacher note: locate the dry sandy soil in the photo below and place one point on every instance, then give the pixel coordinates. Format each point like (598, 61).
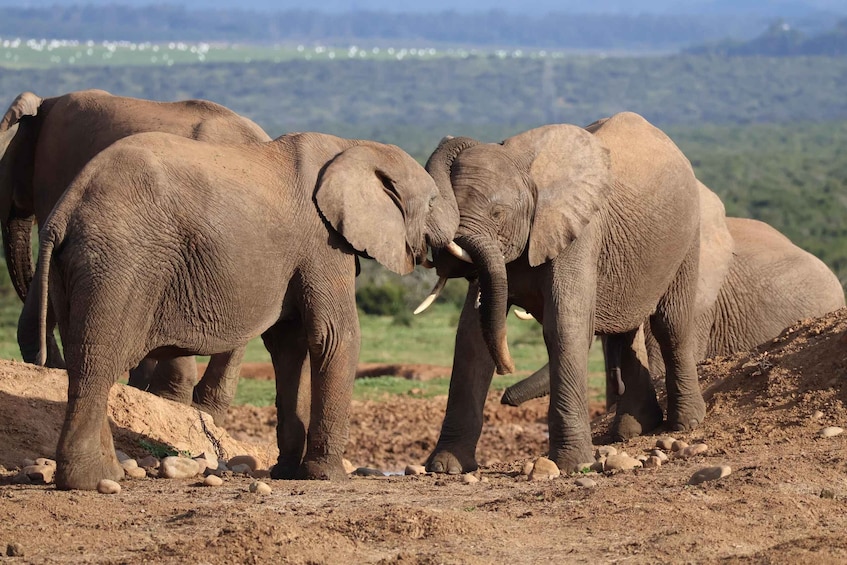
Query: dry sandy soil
(785, 501)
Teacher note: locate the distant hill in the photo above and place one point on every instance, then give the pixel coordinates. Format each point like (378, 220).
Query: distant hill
(782, 40)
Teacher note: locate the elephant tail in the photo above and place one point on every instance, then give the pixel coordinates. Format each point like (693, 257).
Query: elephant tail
(41, 281)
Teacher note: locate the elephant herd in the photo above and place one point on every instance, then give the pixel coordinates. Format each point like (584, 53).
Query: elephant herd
(169, 230)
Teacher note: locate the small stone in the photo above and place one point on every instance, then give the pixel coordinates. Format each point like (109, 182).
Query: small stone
(40, 473)
(709, 474)
(149, 462)
(543, 470)
(14, 550)
(129, 464)
(21, 479)
(652, 462)
(368, 472)
(213, 481)
(585, 482)
(248, 460)
(817, 415)
(179, 468)
(660, 454)
(692, 450)
(469, 478)
(621, 462)
(665, 443)
(605, 451)
(527, 468)
(207, 462)
(27, 462)
(598, 466)
(414, 470)
(45, 461)
(260, 488)
(121, 456)
(241, 468)
(643, 458)
(348, 467)
(135, 472)
(831, 431)
(108, 486)
(678, 444)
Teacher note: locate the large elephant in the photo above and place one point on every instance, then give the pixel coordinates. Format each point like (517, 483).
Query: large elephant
(172, 246)
(769, 284)
(46, 142)
(592, 231)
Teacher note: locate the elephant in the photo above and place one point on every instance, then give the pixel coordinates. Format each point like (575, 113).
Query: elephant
(46, 142)
(770, 284)
(164, 245)
(592, 230)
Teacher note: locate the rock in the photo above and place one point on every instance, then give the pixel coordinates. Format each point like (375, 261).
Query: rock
(660, 454)
(817, 415)
(248, 460)
(135, 472)
(692, 450)
(348, 467)
(21, 479)
(665, 443)
(605, 451)
(368, 472)
(527, 468)
(643, 458)
(207, 462)
(598, 466)
(121, 456)
(543, 470)
(621, 462)
(414, 470)
(469, 478)
(40, 473)
(14, 550)
(585, 482)
(179, 468)
(129, 464)
(149, 462)
(260, 488)
(678, 444)
(831, 431)
(709, 474)
(44, 461)
(213, 481)
(652, 462)
(241, 468)
(27, 462)
(108, 486)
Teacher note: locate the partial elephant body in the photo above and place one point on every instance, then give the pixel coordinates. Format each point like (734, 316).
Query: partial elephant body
(175, 247)
(48, 143)
(598, 230)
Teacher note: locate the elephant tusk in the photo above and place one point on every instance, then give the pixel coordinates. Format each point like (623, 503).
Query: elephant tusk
(478, 300)
(523, 314)
(456, 250)
(436, 290)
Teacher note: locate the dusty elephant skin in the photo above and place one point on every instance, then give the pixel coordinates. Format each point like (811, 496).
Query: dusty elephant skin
(753, 284)
(46, 142)
(592, 231)
(172, 246)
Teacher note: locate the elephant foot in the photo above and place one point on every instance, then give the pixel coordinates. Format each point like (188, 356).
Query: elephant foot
(327, 468)
(631, 423)
(444, 461)
(218, 415)
(573, 458)
(77, 473)
(687, 415)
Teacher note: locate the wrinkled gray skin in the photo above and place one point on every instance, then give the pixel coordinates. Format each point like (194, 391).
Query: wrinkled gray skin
(770, 283)
(591, 231)
(46, 142)
(172, 246)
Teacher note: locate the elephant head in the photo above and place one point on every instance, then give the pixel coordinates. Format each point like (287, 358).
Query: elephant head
(522, 200)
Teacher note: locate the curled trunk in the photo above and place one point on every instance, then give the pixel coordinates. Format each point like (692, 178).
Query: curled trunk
(17, 243)
(534, 386)
(438, 166)
(494, 290)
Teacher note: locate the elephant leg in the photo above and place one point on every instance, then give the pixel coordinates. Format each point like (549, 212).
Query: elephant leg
(473, 369)
(638, 409)
(215, 391)
(141, 375)
(174, 379)
(86, 451)
(674, 331)
(289, 351)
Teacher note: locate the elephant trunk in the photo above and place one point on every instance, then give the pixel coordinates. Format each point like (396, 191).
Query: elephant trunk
(17, 246)
(446, 211)
(534, 386)
(494, 293)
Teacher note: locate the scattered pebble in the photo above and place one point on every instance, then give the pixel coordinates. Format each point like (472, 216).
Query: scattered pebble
(260, 488)
(709, 474)
(149, 462)
(213, 481)
(241, 468)
(544, 469)
(108, 486)
(179, 468)
(248, 460)
(45, 461)
(368, 472)
(678, 444)
(414, 470)
(135, 473)
(129, 464)
(598, 466)
(27, 462)
(817, 415)
(665, 443)
(527, 468)
(207, 462)
(605, 451)
(121, 456)
(621, 462)
(652, 462)
(469, 478)
(348, 467)
(585, 482)
(14, 550)
(831, 431)
(660, 454)
(692, 450)
(40, 473)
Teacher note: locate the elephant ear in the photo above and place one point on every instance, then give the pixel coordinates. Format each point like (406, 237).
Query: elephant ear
(571, 172)
(26, 104)
(357, 196)
(716, 249)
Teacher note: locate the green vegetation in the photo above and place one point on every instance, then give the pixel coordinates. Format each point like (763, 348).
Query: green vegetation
(783, 40)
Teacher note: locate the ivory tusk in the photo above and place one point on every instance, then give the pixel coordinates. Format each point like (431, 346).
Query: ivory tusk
(436, 290)
(456, 250)
(521, 314)
(478, 299)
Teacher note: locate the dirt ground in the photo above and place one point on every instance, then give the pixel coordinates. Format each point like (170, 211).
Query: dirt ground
(784, 502)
